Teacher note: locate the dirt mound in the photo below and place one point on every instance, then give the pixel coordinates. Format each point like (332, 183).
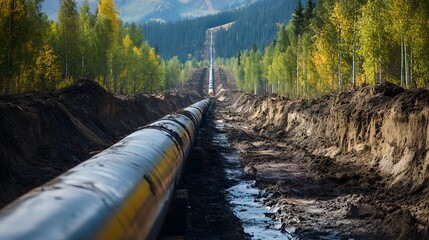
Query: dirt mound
(45, 134)
(371, 143)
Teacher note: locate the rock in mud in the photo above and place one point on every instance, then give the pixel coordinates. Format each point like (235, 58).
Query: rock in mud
(250, 171)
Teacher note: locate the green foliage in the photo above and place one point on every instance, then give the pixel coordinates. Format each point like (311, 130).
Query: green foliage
(47, 73)
(68, 38)
(87, 44)
(254, 24)
(172, 73)
(374, 41)
(65, 83)
(338, 44)
(39, 54)
(331, 46)
(23, 30)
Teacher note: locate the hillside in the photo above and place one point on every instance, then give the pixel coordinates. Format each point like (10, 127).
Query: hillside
(255, 24)
(159, 10)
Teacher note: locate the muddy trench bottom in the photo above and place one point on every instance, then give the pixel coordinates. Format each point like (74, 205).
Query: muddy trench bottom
(245, 199)
(301, 203)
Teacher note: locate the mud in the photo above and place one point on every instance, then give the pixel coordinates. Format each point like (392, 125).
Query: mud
(349, 165)
(44, 134)
(210, 215)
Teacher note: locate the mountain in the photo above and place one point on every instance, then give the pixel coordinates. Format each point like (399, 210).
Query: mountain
(157, 10)
(173, 10)
(256, 24)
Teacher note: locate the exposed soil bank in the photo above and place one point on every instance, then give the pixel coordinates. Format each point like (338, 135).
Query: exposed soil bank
(384, 121)
(44, 134)
(198, 83)
(340, 166)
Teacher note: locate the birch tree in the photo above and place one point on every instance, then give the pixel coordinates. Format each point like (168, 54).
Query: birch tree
(69, 38)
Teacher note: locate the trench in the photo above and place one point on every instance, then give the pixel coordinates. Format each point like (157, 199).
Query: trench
(244, 198)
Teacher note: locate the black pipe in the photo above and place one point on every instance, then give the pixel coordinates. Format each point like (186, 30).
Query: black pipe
(120, 193)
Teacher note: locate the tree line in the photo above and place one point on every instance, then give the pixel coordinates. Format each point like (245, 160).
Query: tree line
(336, 45)
(254, 24)
(39, 54)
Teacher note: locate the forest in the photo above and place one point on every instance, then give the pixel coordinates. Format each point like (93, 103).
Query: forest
(254, 24)
(336, 45)
(328, 45)
(40, 54)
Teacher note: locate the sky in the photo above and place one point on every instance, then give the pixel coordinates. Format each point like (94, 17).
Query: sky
(51, 7)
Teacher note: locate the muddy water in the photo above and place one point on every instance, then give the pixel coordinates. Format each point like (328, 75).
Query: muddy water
(244, 197)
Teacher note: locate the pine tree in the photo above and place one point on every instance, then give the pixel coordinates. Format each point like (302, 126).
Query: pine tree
(298, 22)
(283, 41)
(308, 13)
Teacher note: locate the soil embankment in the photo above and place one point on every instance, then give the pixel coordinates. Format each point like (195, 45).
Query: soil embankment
(344, 165)
(44, 134)
(198, 82)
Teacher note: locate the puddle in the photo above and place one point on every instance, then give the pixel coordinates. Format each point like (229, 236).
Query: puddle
(243, 196)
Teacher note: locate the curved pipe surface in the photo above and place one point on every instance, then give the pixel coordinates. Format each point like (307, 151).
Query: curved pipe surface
(120, 193)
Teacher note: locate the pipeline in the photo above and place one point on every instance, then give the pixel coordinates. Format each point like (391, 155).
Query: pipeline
(121, 193)
(211, 70)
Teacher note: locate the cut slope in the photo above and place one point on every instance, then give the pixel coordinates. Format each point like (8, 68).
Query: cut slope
(385, 121)
(373, 141)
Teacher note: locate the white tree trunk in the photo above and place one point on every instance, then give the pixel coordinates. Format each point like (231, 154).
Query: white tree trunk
(406, 64)
(354, 47)
(297, 69)
(67, 61)
(412, 83)
(380, 73)
(402, 60)
(340, 77)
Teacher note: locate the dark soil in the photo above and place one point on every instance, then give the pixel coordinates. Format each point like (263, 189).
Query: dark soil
(210, 215)
(353, 165)
(196, 84)
(344, 166)
(44, 134)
